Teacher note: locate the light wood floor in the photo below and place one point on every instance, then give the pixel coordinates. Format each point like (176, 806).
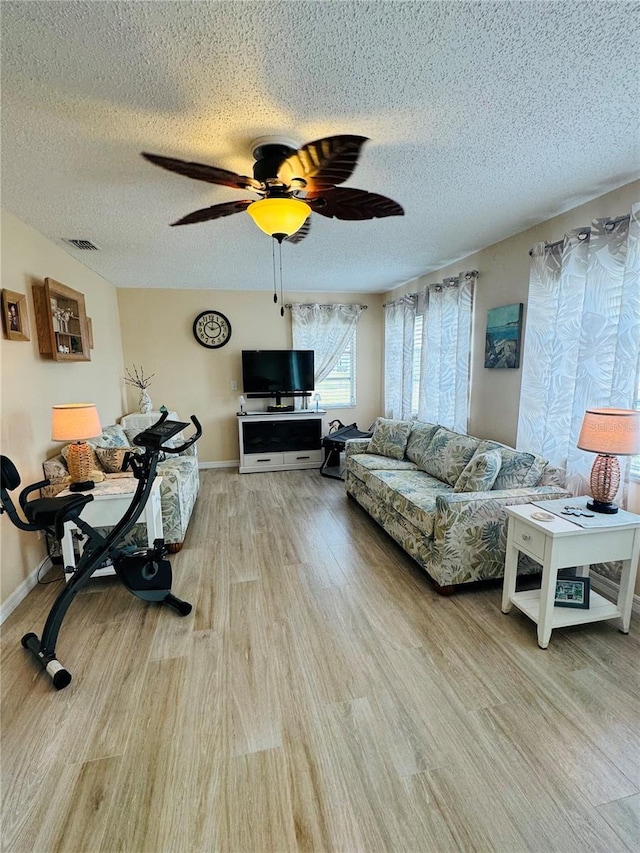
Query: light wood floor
(321, 697)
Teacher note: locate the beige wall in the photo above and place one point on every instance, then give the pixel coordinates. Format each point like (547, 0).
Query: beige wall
(503, 279)
(190, 379)
(31, 384)
(152, 328)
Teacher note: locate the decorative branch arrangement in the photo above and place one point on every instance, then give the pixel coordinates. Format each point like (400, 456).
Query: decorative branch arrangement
(137, 378)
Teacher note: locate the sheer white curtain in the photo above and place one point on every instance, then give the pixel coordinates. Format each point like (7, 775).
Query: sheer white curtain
(399, 322)
(326, 329)
(582, 343)
(446, 352)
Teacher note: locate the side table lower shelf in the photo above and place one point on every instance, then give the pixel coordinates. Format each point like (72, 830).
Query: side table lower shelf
(600, 608)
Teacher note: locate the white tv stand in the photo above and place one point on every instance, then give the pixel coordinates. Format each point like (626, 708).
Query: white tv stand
(284, 441)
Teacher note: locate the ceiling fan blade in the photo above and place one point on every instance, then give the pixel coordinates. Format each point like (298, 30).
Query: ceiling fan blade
(201, 172)
(215, 212)
(301, 233)
(347, 203)
(323, 163)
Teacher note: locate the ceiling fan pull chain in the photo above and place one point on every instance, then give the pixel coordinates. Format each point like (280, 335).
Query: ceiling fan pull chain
(275, 283)
(281, 294)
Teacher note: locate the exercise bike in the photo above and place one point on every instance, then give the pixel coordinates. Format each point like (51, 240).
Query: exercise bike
(144, 572)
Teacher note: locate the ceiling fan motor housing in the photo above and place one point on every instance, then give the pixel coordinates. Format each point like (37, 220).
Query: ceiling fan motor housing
(269, 157)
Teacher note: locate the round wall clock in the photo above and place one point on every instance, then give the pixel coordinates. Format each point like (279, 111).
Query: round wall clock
(212, 329)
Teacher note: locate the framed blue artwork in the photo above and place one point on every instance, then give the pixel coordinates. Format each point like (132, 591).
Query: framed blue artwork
(504, 334)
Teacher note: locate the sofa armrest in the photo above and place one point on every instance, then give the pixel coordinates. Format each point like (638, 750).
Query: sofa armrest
(190, 451)
(355, 445)
(470, 530)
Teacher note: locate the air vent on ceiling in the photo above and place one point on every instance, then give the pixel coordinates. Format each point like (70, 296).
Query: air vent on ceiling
(85, 245)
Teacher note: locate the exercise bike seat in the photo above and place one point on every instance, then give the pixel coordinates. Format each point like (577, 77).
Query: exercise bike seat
(43, 513)
(55, 512)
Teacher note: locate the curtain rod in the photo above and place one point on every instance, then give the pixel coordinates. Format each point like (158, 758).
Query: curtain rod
(585, 232)
(400, 298)
(439, 284)
(328, 305)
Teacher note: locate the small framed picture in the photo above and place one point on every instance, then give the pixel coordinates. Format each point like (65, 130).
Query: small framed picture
(14, 316)
(573, 592)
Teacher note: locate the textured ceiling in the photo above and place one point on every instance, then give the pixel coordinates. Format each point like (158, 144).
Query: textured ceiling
(484, 119)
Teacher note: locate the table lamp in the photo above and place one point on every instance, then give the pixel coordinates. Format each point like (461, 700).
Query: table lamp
(241, 402)
(609, 433)
(76, 422)
(317, 397)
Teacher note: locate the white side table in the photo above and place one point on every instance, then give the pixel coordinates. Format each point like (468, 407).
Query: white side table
(560, 544)
(111, 499)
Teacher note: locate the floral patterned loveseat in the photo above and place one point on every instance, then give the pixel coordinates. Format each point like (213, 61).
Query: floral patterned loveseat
(441, 495)
(178, 489)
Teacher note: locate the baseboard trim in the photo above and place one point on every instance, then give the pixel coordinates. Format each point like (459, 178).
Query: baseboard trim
(610, 588)
(20, 593)
(229, 463)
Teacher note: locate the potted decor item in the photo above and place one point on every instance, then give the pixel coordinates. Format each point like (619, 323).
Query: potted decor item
(139, 380)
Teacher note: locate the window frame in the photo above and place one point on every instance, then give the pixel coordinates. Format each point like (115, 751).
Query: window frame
(351, 349)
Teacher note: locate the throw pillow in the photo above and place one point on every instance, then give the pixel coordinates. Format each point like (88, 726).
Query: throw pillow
(518, 469)
(419, 441)
(112, 458)
(480, 473)
(389, 438)
(448, 455)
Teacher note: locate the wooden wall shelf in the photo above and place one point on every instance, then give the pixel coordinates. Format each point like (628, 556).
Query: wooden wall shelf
(61, 321)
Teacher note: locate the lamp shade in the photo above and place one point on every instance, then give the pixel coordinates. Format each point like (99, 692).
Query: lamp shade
(613, 432)
(75, 422)
(281, 216)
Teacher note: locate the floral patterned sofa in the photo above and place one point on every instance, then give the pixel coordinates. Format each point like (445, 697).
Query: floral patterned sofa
(178, 489)
(441, 495)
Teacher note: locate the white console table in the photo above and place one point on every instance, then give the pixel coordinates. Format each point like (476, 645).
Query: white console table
(111, 499)
(284, 441)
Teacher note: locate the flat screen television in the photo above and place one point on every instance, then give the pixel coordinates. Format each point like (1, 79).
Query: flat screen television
(277, 372)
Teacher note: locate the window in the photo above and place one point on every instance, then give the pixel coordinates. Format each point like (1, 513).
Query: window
(415, 367)
(338, 390)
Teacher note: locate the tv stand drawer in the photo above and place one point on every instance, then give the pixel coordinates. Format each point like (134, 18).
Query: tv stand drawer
(292, 457)
(263, 460)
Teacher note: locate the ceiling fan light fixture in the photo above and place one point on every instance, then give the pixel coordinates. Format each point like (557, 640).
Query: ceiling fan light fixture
(279, 217)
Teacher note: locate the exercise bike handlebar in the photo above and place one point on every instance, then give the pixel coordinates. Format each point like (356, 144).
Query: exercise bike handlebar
(191, 441)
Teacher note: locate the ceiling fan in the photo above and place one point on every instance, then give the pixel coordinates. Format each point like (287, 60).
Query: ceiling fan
(291, 184)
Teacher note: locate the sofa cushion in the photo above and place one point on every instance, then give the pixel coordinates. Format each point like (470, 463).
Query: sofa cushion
(480, 472)
(412, 494)
(448, 454)
(389, 438)
(363, 462)
(419, 441)
(518, 468)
